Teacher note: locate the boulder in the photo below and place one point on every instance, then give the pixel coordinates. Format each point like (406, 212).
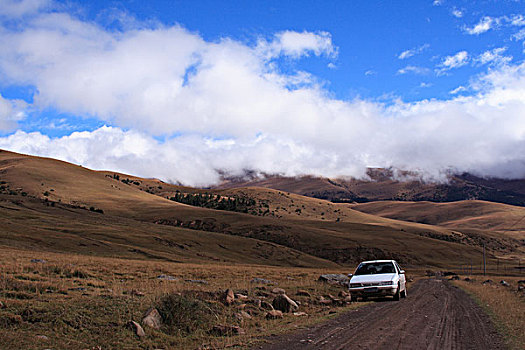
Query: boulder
(504, 283)
(152, 318)
(228, 297)
(278, 291)
(335, 278)
(226, 330)
(241, 296)
(454, 278)
(243, 315)
(487, 282)
(137, 293)
(303, 293)
(266, 305)
(274, 314)
(300, 314)
(343, 294)
(167, 278)
(137, 328)
(324, 301)
(261, 280)
(39, 261)
(284, 303)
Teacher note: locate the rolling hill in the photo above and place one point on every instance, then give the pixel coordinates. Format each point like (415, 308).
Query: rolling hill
(52, 205)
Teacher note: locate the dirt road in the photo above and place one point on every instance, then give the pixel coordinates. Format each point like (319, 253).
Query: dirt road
(436, 315)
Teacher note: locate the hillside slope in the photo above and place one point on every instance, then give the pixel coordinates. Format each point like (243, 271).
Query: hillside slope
(60, 206)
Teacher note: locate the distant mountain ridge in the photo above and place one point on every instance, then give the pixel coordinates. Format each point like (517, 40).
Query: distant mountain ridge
(383, 185)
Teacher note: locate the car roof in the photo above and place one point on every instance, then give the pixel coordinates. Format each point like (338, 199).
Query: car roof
(377, 261)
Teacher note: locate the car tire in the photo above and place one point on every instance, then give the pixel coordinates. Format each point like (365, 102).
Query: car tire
(353, 298)
(398, 293)
(404, 293)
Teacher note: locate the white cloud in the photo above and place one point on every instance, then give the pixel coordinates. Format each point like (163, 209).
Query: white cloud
(411, 52)
(296, 45)
(11, 111)
(484, 25)
(370, 72)
(460, 59)
(236, 110)
(487, 23)
(437, 2)
(457, 90)
(414, 70)
(425, 85)
(457, 13)
(494, 57)
(19, 8)
(519, 35)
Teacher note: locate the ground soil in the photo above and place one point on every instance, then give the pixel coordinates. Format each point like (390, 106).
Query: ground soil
(436, 315)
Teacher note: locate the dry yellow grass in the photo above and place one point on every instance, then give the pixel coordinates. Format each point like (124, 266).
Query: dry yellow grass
(505, 305)
(84, 302)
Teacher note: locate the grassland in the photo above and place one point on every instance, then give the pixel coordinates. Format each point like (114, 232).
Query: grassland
(505, 304)
(106, 237)
(78, 302)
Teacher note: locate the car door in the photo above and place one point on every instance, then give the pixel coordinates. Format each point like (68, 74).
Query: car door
(402, 279)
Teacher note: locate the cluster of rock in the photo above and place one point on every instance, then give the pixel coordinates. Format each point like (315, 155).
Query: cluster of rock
(267, 302)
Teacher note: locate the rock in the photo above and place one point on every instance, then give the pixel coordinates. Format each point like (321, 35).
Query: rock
(228, 297)
(152, 318)
(467, 279)
(448, 273)
(488, 282)
(304, 293)
(521, 287)
(324, 301)
(278, 291)
(454, 278)
(225, 330)
(335, 278)
(137, 328)
(261, 280)
(266, 305)
(243, 315)
(241, 296)
(261, 293)
(167, 278)
(300, 314)
(42, 337)
(284, 303)
(137, 293)
(274, 314)
(343, 294)
(197, 281)
(40, 261)
(504, 283)
(256, 302)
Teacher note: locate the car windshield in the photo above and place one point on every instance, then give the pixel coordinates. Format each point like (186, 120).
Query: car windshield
(374, 268)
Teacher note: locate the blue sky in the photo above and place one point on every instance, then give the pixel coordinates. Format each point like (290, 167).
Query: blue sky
(332, 86)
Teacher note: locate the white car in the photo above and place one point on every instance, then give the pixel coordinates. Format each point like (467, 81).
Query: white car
(378, 278)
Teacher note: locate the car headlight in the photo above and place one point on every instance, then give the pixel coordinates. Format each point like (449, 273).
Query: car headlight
(386, 283)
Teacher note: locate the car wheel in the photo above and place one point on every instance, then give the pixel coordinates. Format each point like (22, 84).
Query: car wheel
(404, 293)
(353, 298)
(398, 292)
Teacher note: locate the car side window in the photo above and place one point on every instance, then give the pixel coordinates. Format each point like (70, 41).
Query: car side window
(397, 267)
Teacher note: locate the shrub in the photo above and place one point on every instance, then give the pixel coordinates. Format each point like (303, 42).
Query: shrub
(186, 314)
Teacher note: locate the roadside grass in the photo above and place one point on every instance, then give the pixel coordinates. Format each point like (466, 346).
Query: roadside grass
(81, 302)
(505, 305)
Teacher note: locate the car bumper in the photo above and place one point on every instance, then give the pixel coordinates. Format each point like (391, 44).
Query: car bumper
(373, 291)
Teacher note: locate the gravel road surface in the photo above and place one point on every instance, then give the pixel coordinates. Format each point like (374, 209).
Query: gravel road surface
(436, 315)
